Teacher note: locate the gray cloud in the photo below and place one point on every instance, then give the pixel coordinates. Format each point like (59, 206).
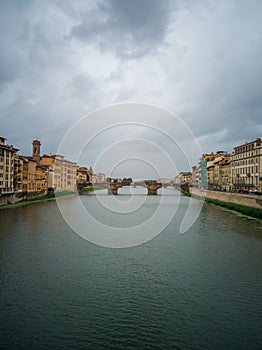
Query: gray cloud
(130, 28)
(201, 60)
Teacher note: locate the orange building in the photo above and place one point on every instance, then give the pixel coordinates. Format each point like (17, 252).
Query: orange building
(34, 176)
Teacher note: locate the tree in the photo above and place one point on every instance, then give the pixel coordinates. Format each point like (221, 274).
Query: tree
(129, 180)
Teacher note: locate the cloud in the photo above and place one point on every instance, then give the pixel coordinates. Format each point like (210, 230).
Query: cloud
(200, 60)
(130, 28)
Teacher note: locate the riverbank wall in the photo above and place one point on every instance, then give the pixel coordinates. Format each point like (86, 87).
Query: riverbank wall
(247, 200)
(7, 199)
(13, 198)
(32, 200)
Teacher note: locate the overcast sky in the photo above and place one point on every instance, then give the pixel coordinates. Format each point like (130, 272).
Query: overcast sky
(62, 59)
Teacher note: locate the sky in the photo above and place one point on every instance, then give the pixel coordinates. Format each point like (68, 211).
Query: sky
(61, 60)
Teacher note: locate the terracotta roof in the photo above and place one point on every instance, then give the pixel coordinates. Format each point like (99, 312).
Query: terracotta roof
(9, 148)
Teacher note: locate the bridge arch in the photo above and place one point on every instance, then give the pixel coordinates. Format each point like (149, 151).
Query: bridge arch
(133, 189)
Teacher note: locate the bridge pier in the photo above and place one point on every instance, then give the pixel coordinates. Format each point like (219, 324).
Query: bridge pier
(151, 191)
(112, 190)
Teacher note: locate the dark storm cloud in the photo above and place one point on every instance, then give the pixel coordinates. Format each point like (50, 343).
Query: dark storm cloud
(130, 28)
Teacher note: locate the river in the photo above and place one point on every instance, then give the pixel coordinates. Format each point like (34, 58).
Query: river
(201, 289)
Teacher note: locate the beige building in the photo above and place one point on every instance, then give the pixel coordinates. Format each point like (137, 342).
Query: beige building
(18, 174)
(246, 168)
(61, 173)
(101, 178)
(94, 178)
(196, 176)
(7, 159)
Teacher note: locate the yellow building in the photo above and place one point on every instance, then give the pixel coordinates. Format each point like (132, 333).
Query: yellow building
(219, 171)
(84, 174)
(41, 180)
(61, 173)
(185, 178)
(225, 174)
(247, 166)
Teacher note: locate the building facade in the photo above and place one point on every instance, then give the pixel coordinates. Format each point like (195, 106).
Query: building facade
(84, 174)
(246, 168)
(225, 173)
(7, 160)
(34, 176)
(29, 176)
(61, 173)
(18, 174)
(196, 176)
(185, 178)
(219, 172)
(203, 175)
(101, 178)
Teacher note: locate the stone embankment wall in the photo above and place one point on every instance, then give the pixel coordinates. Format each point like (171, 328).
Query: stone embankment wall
(18, 197)
(253, 201)
(7, 199)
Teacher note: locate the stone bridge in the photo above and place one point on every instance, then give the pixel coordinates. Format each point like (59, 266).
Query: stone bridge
(112, 187)
(151, 187)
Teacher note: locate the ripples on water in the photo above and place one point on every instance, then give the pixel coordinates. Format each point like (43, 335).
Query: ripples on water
(197, 290)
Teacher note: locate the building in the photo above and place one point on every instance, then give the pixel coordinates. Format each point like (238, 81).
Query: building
(219, 171)
(18, 174)
(101, 178)
(34, 176)
(203, 178)
(84, 174)
(36, 151)
(225, 171)
(196, 176)
(7, 160)
(185, 178)
(246, 167)
(94, 178)
(29, 176)
(61, 173)
(208, 175)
